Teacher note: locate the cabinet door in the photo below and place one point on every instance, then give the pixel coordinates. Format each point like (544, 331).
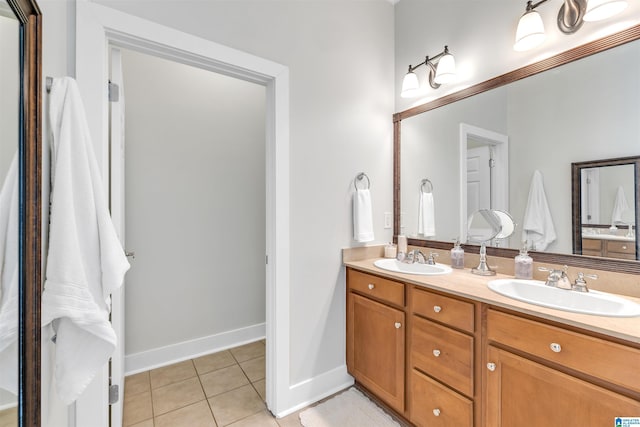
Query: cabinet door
(524, 393)
(375, 348)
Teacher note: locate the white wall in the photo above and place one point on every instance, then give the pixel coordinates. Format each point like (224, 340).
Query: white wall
(340, 57)
(195, 203)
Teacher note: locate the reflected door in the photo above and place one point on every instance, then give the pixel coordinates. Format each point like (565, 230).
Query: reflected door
(478, 179)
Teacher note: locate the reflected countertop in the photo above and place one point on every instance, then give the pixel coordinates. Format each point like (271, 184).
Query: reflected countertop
(464, 284)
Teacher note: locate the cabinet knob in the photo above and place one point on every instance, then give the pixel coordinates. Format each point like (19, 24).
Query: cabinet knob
(624, 247)
(436, 412)
(491, 366)
(398, 325)
(555, 347)
(437, 308)
(436, 353)
(371, 286)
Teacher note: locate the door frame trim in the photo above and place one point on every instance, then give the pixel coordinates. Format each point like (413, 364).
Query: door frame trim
(99, 27)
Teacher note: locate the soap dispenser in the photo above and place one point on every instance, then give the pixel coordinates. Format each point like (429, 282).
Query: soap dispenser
(457, 255)
(524, 264)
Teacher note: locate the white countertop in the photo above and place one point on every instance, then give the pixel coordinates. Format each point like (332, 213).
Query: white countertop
(464, 284)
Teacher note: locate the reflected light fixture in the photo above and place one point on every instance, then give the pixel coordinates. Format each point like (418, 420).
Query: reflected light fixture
(530, 31)
(442, 70)
(571, 16)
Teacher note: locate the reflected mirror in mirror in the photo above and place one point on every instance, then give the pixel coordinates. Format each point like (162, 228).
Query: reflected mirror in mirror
(606, 207)
(481, 152)
(9, 212)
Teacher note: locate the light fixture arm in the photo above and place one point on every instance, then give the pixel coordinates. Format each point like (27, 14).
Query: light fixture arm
(531, 5)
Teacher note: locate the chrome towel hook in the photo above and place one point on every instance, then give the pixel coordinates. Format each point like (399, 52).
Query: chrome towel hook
(360, 177)
(424, 182)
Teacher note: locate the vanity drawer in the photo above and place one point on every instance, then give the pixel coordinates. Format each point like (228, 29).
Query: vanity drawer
(435, 405)
(612, 362)
(459, 314)
(376, 287)
(592, 244)
(443, 353)
(621, 247)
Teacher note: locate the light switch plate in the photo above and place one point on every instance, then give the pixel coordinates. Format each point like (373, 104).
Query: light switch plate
(388, 220)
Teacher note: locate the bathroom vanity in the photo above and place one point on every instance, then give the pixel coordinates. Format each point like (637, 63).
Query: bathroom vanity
(447, 351)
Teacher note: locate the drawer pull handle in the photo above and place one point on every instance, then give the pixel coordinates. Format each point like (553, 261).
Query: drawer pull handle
(436, 412)
(555, 347)
(398, 325)
(624, 247)
(371, 286)
(437, 308)
(436, 353)
(491, 366)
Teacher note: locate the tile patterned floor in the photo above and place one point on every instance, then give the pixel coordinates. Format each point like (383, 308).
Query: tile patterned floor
(217, 390)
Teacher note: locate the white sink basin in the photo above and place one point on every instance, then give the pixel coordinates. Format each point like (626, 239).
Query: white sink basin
(392, 264)
(592, 302)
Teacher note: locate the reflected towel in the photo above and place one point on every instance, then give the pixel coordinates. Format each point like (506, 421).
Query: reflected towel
(85, 261)
(620, 206)
(537, 227)
(9, 212)
(362, 216)
(426, 215)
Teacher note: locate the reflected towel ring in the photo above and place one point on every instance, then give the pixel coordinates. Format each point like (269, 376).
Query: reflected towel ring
(422, 184)
(360, 177)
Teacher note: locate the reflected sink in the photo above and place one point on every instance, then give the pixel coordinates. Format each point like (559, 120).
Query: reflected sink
(392, 264)
(592, 302)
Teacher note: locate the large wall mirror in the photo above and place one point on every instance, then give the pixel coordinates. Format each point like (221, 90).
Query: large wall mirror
(20, 212)
(481, 146)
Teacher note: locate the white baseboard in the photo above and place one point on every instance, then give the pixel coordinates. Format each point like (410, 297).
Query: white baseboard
(162, 356)
(317, 388)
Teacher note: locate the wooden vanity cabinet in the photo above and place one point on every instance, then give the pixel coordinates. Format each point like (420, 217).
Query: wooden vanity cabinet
(441, 370)
(376, 336)
(545, 375)
(609, 248)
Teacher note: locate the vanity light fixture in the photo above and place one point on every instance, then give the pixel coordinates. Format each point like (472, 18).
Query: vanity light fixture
(530, 31)
(571, 16)
(442, 70)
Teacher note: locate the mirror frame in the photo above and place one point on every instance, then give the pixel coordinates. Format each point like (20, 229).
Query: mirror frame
(30, 181)
(608, 42)
(576, 195)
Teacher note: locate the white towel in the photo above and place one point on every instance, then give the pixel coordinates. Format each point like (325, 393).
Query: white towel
(85, 261)
(537, 227)
(620, 207)
(9, 279)
(426, 215)
(362, 216)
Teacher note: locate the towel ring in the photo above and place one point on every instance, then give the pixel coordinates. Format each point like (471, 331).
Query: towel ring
(425, 182)
(360, 177)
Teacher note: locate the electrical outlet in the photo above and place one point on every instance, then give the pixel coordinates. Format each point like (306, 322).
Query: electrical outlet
(388, 220)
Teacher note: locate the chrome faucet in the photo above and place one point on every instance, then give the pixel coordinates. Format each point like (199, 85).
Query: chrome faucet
(557, 278)
(580, 284)
(431, 260)
(415, 256)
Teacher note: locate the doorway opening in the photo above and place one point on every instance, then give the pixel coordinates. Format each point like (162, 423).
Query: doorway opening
(98, 28)
(484, 172)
